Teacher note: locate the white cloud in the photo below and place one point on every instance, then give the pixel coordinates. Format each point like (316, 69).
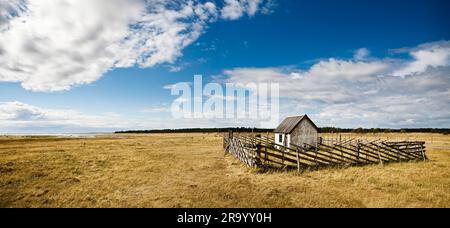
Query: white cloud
(326, 81)
(365, 93)
(426, 56)
(10, 9)
(20, 111)
(361, 54)
(53, 45)
(269, 7)
(24, 117)
(234, 9)
(175, 69)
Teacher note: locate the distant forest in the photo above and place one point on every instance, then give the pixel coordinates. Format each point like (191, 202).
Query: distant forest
(321, 130)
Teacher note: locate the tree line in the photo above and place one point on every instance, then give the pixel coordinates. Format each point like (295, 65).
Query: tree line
(321, 130)
(197, 130)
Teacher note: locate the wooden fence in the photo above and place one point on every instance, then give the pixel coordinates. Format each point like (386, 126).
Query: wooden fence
(263, 152)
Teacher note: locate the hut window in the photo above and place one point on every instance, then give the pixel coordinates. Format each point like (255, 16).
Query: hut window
(280, 138)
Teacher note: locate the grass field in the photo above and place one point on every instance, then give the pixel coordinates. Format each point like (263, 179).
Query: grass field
(190, 170)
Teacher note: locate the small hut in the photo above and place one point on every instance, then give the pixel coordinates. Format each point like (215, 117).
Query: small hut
(297, 131)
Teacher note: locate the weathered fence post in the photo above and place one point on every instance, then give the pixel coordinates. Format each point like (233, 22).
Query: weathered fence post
(298, 160)
(359, 148)
(282, 152)
(258, 151)
(423, 153)
(319, 141)
(379, 155)
(407, 146)
(266, 160)
(315, 157)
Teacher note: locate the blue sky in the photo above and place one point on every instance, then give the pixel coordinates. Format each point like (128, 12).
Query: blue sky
(272, 38)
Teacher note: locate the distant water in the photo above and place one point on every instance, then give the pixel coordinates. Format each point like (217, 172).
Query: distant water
(65, 135)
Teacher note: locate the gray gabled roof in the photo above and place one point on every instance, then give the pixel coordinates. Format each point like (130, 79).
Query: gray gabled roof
(289, 124)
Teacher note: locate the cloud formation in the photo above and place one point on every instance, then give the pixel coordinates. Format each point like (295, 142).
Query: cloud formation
(10, 9)
(361, 54)
(234, 9)
(53, 45)
(389, 92)
(19, 117)
(336, 92)
(425, 56)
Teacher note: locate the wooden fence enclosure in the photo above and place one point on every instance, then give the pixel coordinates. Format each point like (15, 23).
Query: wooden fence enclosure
(263, 152)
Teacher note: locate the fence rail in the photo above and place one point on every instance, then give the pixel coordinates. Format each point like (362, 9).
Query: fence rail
(263, 152)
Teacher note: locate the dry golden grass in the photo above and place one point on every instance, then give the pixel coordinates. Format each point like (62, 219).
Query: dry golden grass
(190, 170)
